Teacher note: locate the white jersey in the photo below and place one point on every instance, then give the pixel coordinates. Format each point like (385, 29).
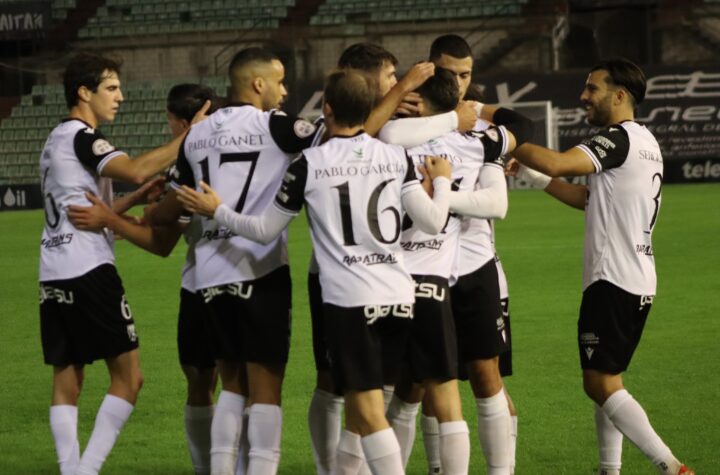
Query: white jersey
(242, 152)
(468, 153)
(622, 207)
(70, 165)
(353, 188)
(476, 235)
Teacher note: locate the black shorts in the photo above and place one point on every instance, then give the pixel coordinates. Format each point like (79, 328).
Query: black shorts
(478, 315)
(85, 318)
(610, 326)
(367, 345)
(433, 344)
(193, 336)
(250, 321)
(505, 363)
(320, 349)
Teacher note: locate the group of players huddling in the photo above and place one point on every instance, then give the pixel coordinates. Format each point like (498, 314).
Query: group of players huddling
(406, 291)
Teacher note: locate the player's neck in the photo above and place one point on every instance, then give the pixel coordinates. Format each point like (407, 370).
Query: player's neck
(621, 115)
(343, 131)
(84, 114)
(247, 97)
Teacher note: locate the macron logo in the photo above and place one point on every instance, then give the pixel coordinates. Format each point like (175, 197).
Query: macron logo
(589, 352)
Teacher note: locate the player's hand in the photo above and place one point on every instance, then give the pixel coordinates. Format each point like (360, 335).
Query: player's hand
(532, 177)
(426, 181)
(417, 75)
(90, 218)
(467, 115)
(150, 191)
(438, 166)
(512, 167)
(201, 114)
(199, 203)
(411, 105)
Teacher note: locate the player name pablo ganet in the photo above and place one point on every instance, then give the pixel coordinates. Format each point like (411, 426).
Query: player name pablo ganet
(226, 140)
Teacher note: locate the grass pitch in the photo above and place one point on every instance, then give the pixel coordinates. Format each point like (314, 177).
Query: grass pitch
(675, 373)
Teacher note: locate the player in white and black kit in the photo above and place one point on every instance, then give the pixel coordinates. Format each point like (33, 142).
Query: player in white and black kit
(195, 355)
(475, 156)
(83, 312)
(624, 167)
(243, 150)
(356, 241)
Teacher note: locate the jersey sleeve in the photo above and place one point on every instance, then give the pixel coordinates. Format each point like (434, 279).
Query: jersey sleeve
(608, 149)
(181, 173)
(291, 134)
(291, 195)
(93, 150)
(494, 141)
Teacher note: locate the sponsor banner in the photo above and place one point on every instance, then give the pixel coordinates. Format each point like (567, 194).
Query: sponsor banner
(23, 20)
(17, 197)
(681, 108)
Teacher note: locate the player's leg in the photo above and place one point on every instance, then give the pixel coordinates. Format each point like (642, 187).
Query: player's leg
(266, 339)
(325, 411)
(365, 416)
(227, 421)
(453, 430)
(126, 379)
(67, 377)
(609, 330)
(506, 370)
(402, 413)
(431, 437)
(198, 366)
(480, 332)
(67, 385)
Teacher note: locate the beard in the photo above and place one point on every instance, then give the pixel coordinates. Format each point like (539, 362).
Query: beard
(599, 114)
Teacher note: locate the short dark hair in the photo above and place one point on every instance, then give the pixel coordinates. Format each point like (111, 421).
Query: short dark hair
(351, 96)
(248, 55)
(184, 100)
(366, 57)
(440, 91)
(86, 69)
(451, 45)
(475, 92)
(626, 74)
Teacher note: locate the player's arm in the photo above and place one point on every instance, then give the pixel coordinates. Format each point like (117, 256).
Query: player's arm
(489, 200)
(139, 169)
(429, 214)
(413, 131)
(147, 193)
(169, 209)
(571, 194)
(156, 240)
(383, 111)
(263, 228)
(292, 134)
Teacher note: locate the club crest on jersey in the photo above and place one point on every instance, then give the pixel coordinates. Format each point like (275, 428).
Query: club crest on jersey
(491, 134)
(303, 128)
(102, 147)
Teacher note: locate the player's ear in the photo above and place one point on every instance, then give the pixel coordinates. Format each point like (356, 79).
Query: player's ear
(326, 109)
(84, 94)
(619, 96)
(258, 84)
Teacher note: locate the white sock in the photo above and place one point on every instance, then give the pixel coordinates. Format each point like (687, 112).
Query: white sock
(350, 456)
(455, 447)
(388, 392)
(431, 440)
(325, 424)
(402, 417)
(513, 442)
(609, 444)
(110, 419)
(382, 453)
(494, 432)
(264, 431)
(198, 420)
(225, 432)
(243, 446)
(630, 419)
(63, 425)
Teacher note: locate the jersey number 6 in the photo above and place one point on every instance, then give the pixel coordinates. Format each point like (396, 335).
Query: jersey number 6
(372, 214)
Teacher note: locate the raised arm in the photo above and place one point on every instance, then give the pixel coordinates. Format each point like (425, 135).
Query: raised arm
(428, 214)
